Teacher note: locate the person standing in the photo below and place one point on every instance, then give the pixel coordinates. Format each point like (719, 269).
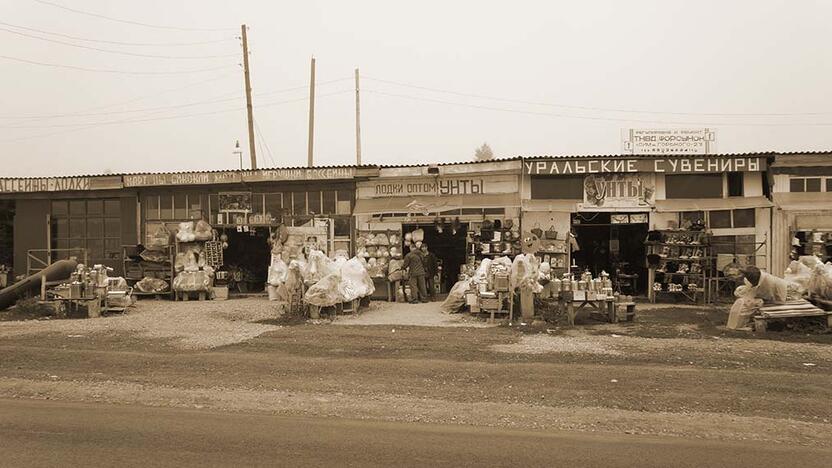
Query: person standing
(415, 267)
(430, 264)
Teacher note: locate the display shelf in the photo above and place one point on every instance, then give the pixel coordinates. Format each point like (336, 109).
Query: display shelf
(701, 245)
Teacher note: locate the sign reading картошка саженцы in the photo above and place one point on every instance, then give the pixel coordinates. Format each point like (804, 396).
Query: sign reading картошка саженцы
(670, 165)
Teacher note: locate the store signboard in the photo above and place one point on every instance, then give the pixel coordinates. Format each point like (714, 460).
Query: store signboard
(438, 186)
(603, 191)
(668, 141)
(231, 177)
(673, 165)
(59, 184)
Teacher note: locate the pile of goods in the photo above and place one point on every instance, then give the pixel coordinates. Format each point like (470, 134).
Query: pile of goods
(193, 272)
(336, 281)
(378, 249)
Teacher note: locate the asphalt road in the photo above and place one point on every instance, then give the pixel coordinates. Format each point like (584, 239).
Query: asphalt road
(46, 433)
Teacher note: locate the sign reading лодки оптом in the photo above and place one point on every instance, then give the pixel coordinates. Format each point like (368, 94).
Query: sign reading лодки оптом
(674, 165)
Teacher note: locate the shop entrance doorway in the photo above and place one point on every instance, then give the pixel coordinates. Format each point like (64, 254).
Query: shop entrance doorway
(449, 248)
(613, 243)
(247, 259)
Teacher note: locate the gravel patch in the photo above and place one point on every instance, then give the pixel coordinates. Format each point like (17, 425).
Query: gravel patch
(398, 313)
(189, 325)
(543, 344)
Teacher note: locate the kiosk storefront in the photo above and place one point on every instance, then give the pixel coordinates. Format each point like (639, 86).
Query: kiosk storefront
(605, 207)
(802, 221)
(449, 204)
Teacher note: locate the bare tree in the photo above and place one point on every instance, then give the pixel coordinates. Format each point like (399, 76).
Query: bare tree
(483, 153)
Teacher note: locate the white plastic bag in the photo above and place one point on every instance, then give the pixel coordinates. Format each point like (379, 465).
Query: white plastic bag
(456, 297)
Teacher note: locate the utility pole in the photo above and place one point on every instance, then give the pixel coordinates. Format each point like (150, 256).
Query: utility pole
(357, 121)
(249, 108)
(310, 161)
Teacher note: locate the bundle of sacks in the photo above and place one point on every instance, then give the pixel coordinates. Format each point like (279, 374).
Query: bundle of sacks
(525, 273)
(456, 296)
(188, 232)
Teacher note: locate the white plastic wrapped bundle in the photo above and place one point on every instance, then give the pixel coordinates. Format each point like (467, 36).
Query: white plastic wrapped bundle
(317, 267)
(418, 235)
(203, 231)
(278, 272)
(524, 273)
(186, 232)
(456, 297)
(382, 239)
(324, 293)
(820, 282)
(355, 281)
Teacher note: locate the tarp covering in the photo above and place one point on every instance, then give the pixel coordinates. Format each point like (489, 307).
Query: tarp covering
(706, 204)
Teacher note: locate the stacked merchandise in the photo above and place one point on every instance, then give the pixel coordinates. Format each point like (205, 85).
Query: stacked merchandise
(679, 261)
(194, 273)
(378, 248)
(150, 267)
(495, 238)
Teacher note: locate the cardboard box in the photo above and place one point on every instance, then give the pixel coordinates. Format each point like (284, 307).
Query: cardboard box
(220, 293)
(578, 295)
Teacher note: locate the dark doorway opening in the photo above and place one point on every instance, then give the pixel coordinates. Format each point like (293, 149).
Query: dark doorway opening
(615, 248)
(7, 232)
(247, 259)
(449, 248)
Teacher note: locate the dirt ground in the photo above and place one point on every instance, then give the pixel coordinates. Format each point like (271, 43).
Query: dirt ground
(674, 371)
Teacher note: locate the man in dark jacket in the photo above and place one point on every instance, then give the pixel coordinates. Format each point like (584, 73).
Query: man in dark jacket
(415, 267)
(430, 263)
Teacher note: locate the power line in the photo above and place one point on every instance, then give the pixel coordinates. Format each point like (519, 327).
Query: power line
(119, 52)
(171, 117)
(306, 86)
(135, 23)
(609, 119)
(263, 139)
(104, 70)
(120, 103)
(147, 109)
(122, 43)
(590, 108)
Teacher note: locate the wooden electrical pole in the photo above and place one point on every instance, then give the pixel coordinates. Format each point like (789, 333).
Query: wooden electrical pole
(249, 108)
(310, 161)
(357, 121)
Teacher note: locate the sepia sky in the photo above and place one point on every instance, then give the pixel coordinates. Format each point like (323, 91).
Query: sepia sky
(439, 78)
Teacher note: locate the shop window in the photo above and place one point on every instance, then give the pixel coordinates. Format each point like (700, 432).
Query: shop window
(691, 217)
(274, 204)
(494, 211)
(813, 184)
(313, 200)
(94, 225)
(735, 184)
(180, 206)
(257, 204)
(166, 207)
(557, 188)
(720, 219)
(60, 208)
(744, 218)
(77, 208)
(344, 201)
(299, 203)
(151, 208)
(112, 208)
(805, 184)
(95, 207)
(693, 186)
(214, 207)
(342, 227)
(195, 207)
(329, 202)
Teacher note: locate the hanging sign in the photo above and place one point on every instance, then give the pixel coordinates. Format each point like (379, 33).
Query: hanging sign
(668, 141)
(59, 184)
(675, 165)
(618, 191)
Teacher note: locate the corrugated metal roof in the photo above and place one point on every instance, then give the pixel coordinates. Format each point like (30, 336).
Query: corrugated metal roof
(206, 171)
